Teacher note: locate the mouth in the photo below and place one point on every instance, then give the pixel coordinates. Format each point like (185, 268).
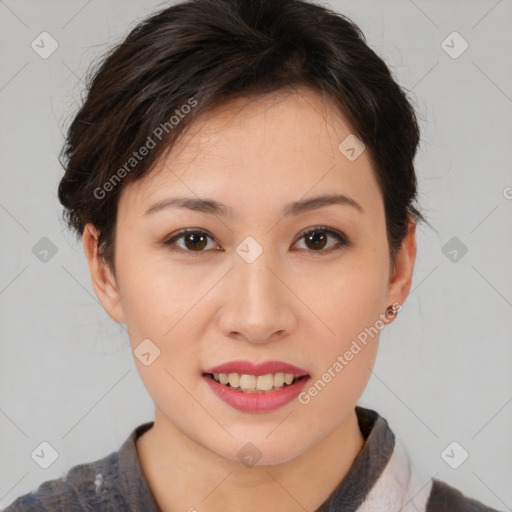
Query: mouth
(256, 387)
(248, 383)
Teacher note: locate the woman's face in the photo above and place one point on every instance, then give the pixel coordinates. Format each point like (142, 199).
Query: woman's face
(259, 280)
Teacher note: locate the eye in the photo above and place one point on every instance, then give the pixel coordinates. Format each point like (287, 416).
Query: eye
(195, 240)
(316, 239)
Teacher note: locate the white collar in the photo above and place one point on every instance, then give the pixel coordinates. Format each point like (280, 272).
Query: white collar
(402, 486)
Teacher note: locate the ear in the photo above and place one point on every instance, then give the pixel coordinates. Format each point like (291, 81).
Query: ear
(401, 278)
(102, 278)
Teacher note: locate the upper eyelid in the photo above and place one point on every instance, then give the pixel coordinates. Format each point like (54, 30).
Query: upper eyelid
(183, 232)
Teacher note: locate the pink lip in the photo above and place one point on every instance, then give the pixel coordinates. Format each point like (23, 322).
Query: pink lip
(250, 368)
(256, 402)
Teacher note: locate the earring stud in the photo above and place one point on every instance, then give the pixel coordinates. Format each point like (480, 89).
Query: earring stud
(393, 310)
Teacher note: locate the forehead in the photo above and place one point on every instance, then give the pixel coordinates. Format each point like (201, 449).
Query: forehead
(263, 149)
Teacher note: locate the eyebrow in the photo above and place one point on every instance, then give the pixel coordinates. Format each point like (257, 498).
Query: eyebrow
(211, 206)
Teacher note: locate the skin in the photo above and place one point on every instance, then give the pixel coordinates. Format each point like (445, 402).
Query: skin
(291, 304)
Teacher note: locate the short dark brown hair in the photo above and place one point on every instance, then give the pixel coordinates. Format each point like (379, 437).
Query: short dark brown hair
(194, 55)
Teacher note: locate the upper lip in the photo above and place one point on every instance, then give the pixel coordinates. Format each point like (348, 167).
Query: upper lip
(250, 368)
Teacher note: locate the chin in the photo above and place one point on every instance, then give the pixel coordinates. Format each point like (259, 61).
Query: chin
(253, 452)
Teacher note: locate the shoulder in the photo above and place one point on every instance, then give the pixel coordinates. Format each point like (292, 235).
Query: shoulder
(444, 498)
(84, 487)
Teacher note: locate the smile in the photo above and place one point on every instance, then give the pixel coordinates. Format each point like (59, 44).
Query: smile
(255, 383)
(256, 387)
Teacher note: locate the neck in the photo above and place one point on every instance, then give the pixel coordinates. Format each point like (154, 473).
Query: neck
(183, 474)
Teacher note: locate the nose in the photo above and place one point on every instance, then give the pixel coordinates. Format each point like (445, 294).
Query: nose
(258, 305)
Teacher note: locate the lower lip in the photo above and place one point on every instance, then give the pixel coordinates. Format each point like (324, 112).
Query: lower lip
(256, 402)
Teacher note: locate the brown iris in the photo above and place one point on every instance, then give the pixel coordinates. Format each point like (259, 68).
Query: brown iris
(198, 241)
(317, 238)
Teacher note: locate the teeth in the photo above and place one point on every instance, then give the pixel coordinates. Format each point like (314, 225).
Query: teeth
(288, 378)
(278, 380)
(255, 383)
(265, 382)
(234, 380)
(247, 382)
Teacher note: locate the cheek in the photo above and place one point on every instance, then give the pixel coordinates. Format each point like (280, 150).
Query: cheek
(162, 303)
(343, 361)
(349, 304)
(349, 298)
(160, 308)
(330, 395)
(155, 296)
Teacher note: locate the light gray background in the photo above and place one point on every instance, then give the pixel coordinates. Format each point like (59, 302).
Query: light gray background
(443, 370)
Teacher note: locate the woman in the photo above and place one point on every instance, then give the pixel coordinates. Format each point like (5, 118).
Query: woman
(241, 174)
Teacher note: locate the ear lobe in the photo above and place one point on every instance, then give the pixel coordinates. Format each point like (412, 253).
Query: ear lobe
(103, 281)
(400, 281)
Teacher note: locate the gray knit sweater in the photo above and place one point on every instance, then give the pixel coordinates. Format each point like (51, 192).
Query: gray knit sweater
(382, 478)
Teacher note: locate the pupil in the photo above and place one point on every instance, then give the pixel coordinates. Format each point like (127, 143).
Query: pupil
(201, 239)
(315, 238)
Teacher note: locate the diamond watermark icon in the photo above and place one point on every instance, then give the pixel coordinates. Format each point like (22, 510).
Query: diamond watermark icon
(249, 250)
(454, 455)
(44, 455)
(44, 45)
(44, 250)
(454, 249)
(249, 454)
(146, 352)
(454, 45)
(351, 147)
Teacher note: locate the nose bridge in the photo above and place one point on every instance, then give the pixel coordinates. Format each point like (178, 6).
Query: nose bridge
(258, 304)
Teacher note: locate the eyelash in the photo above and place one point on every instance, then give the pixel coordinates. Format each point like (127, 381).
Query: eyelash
(343, 241)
